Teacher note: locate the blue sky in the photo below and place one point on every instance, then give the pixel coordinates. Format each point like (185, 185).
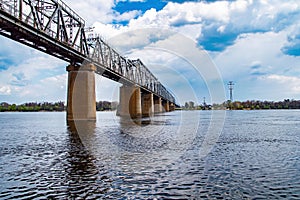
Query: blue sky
(193, 47)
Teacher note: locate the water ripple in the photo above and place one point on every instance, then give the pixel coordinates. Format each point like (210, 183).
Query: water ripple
(256, 157)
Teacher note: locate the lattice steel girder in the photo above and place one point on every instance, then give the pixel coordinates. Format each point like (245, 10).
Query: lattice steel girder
(52, 18)
(133, 70)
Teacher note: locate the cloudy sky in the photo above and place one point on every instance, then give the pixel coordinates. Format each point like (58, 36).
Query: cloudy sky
(193, 47)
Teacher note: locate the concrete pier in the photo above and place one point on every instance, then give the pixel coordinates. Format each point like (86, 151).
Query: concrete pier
(147, 104)
(158, 108)
(81, 103)
(172, 107)
(166, 106)
(130, 102)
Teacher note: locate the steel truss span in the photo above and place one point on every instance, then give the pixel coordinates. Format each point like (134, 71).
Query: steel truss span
(54, 28)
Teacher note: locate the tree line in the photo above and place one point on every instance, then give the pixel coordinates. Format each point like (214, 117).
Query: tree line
(245, 105)
(50, 106)
(32, 107)
(109, 106)
(258, 105)
(106, 105)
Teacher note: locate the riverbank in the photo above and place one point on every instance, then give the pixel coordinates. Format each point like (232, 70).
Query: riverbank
(51, 106)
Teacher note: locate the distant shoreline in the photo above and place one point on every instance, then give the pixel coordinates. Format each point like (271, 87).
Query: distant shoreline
(51, 106)
(42, 111)
(286, 104)
(240, 109)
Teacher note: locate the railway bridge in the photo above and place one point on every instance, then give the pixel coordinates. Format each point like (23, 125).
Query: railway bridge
(54, 28)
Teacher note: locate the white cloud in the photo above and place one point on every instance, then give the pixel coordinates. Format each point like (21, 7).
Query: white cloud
(100, 11)
(35, 67)
(128, 15)
(241, 15)
(258, 47)
(221, 29)
(58, 81)
(252, 59)
(240, 5)
(139, 38)
(5, 90)
(93, 10)
(197, 11)
(190, 17)
(289, 85)
(49, 89)
(180, 14)
(32, 77)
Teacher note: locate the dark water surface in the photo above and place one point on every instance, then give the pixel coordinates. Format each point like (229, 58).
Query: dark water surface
(178, 155)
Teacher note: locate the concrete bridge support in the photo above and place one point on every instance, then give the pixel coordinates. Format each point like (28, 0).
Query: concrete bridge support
(158, 108)
(166, 105)
(147, 104)
(130, 102)
(81, 103)
(172, 106)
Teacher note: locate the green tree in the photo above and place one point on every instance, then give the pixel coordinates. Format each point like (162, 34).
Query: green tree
(12, 107)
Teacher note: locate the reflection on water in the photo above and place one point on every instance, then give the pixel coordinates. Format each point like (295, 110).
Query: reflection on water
(82, 171)
(256, 156)
(128, 121)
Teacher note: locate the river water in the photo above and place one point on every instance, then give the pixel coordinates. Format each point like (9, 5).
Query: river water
(177, 155)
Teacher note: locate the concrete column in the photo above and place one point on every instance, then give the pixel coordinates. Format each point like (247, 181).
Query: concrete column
(81, 103)
(157, 105)
(130, 102)
(166, 106)
(147, 104)
(172, 107)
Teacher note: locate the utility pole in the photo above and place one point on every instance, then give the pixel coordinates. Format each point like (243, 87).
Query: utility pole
(230, 85)
(204, 104)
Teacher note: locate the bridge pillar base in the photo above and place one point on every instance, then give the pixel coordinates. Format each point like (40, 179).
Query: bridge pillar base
(147, 105)
(81, 103)
(158, 108)
(130, 102)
